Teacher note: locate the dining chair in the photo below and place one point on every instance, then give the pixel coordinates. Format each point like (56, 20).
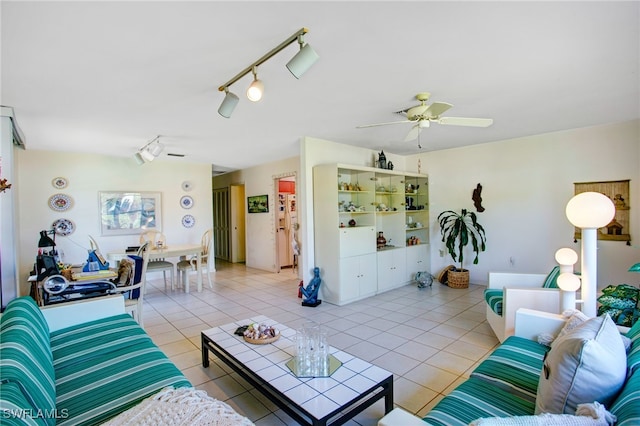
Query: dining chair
(157, 264)
(186, 265)
(135, 291)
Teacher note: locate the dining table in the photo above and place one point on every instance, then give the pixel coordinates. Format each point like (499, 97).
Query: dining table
(174, 250)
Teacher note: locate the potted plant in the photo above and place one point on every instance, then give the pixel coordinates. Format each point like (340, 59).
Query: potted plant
(458, 230)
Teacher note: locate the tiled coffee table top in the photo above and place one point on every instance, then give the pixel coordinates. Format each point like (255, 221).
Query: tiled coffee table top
(318, 396)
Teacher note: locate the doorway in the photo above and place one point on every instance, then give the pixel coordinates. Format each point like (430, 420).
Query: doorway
(229, 223)
(238, 218)
(221, 223)
(287, 248)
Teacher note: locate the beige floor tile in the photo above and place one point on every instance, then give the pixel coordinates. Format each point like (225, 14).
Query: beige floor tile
(410, 395)
(449, 362)
(467, 350)
(431, 339)
(179, 347)
(431, 377)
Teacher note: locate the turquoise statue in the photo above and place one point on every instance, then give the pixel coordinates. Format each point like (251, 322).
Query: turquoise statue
(310, 292)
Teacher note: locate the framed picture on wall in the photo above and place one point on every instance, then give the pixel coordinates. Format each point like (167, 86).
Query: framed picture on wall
(258, 204)
(126, 213)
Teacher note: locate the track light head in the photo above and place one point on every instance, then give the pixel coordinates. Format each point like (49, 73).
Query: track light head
(147, 155)
(228, 103)
(256, 89)
(157, 149)
(138, 158)
(303, 60)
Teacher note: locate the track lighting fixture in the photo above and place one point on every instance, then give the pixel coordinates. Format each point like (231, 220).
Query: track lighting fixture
(298, 65)
(149, 151)
(303, 60)
(228, 104)
(254, 92)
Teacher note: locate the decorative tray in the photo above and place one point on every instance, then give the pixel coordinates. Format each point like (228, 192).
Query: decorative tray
(261, 341)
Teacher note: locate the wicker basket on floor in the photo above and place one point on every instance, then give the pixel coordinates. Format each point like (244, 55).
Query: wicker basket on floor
(458, 279)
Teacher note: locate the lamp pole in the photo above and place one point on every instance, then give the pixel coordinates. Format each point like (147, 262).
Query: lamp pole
(590, 211)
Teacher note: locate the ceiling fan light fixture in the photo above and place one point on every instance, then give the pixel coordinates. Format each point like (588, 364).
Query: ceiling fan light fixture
(303, 60)
(228, 104)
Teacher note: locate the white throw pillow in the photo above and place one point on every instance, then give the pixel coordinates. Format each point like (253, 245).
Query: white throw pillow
(586, 364)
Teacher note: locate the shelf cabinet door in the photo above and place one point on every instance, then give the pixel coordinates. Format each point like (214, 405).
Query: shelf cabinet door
(391, 269)
(417, 260)
(349, 278)
(358, 277)
(368, 275)
(357, 241)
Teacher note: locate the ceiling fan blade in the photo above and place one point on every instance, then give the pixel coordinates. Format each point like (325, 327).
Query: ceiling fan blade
(413, 133)
(383, 124)
(463, 121)
(436, 108)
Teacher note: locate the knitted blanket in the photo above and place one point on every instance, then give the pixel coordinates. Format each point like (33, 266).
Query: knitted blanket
(180, 407)
(593, 414)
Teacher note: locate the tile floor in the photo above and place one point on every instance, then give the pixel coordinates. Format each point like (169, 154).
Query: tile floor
(431, 339)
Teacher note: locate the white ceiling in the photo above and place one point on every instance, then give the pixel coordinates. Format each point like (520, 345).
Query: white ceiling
(105, 77)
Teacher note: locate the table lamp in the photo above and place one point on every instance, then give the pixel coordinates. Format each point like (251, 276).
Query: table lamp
(46, 241)
(568, 282)
(590, 211)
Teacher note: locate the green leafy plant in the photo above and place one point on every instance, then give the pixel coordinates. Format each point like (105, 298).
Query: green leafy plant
(458, 230)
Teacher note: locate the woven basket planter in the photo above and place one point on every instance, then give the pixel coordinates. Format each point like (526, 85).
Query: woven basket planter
(457, 279)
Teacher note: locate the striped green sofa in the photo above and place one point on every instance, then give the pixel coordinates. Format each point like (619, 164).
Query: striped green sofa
(505, 385)
(83, 374)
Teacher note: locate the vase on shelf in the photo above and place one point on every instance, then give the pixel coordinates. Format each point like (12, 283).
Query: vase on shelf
(381, 241)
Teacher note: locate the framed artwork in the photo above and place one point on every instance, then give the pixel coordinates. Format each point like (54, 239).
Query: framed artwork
(618, 192)
(258, 204)
(127, 213)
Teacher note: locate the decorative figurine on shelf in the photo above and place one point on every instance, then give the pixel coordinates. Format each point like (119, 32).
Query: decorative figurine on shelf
(310, 293)
(382, 160)
(390, 165)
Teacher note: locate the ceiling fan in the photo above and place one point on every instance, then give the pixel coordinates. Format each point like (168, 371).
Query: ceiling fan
(422, 115)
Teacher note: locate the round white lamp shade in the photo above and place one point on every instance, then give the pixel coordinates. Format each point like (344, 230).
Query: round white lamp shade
(568, 282)
(590, 210)
(566, 256)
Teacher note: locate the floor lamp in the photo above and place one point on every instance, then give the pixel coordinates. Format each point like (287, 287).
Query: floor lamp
(590, 211)
(568, 282)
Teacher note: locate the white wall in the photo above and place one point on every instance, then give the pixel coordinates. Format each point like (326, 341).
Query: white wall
(527, 183)
(88, 174)
(260, 227)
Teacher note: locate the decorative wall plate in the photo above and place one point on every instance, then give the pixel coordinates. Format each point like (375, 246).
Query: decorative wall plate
(60, 202)
(59, 182)
(188, 221)
(63, 227)
(187, 186)
(186, 202)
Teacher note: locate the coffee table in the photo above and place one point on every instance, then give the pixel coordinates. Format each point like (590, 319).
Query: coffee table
(317, 401)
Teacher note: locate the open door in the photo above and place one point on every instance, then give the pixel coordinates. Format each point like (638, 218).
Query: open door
(237, 225)
(221, 223)
(286, 223)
